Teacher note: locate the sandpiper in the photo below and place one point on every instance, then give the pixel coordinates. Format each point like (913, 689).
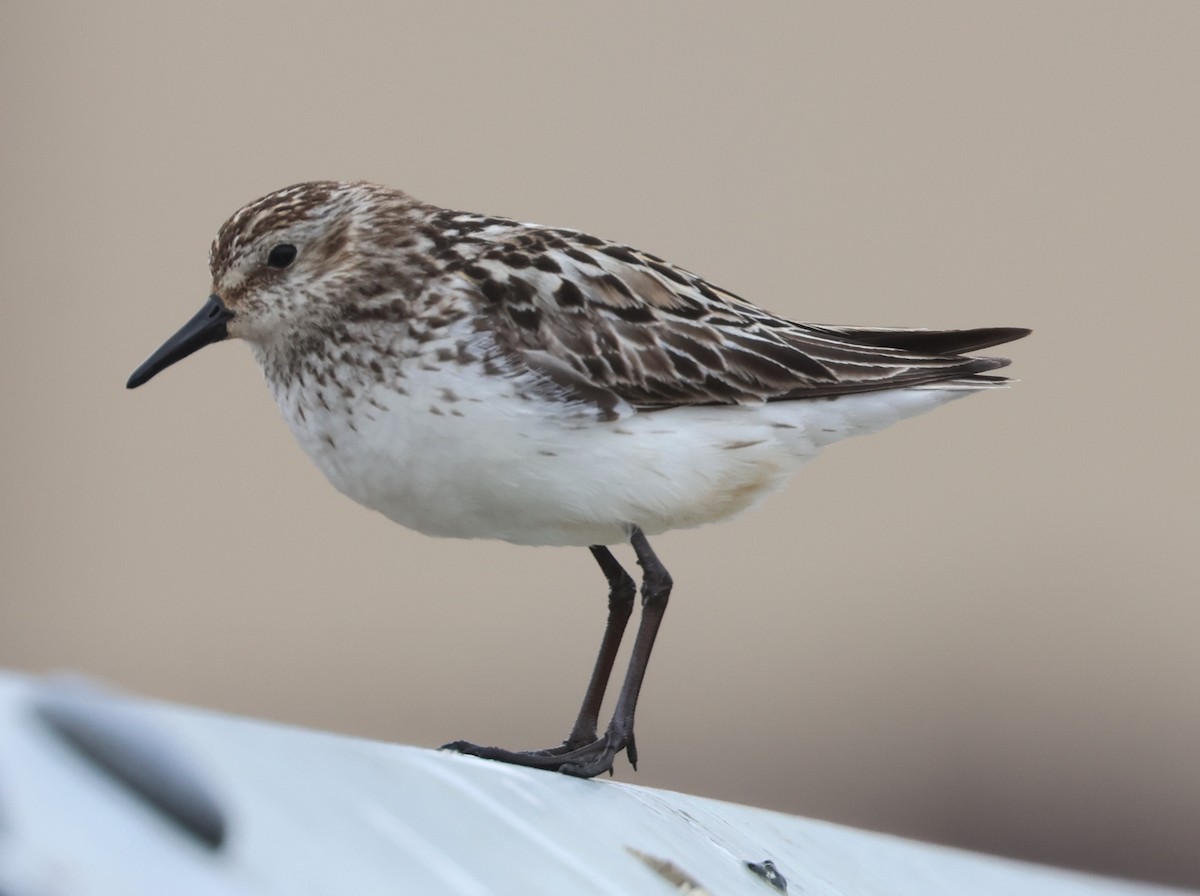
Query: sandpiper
(471, 376)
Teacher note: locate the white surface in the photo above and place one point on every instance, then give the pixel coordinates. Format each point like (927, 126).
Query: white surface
(312, 813)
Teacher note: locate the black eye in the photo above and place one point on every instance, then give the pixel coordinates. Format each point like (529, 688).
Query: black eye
(282, 255)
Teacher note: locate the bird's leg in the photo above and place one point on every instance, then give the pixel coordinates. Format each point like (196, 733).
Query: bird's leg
(621, 589)
(656, 591)
(583, 754)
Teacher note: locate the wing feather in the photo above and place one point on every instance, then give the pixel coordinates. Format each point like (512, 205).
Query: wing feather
(620, 328)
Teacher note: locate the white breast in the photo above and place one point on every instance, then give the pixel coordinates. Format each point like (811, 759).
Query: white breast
(461, 454)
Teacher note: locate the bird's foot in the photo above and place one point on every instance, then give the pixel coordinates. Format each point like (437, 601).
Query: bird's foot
(578, 760)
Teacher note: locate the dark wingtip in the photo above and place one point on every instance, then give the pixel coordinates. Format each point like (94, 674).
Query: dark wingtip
(962, 341)
(933, 342)
(1010, 334)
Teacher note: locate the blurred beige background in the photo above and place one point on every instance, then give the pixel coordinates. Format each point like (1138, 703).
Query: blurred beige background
(981, 627)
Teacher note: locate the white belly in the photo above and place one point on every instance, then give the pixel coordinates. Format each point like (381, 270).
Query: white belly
(464, 457)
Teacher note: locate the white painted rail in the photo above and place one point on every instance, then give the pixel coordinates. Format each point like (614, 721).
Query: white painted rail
(103, 794)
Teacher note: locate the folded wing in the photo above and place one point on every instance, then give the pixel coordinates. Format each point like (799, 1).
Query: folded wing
(605, 319)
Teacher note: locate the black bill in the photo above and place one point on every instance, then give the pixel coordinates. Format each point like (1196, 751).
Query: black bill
(206, 327)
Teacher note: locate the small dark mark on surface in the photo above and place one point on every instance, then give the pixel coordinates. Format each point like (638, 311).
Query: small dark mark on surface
(768, 872)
